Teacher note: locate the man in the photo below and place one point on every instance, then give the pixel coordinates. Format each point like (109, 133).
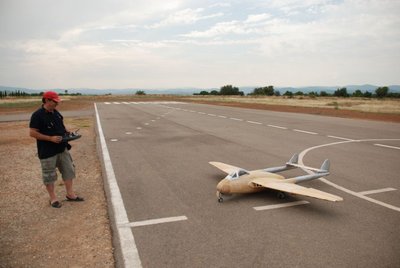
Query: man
(47, 127)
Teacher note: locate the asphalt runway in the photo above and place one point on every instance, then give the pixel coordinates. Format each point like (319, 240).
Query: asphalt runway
(164, 200)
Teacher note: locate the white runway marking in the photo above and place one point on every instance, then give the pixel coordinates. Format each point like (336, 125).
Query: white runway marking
(130, 254)
(155, 221)
(303, 153)
(116, 102)
(254, 122)
(284, 205)
(377, 191)
(340, 138)
(387, 146)
(306, 132)
(236, 119)
(107, 102)
(277, 127)
(211, 114)
(222, 116)
(114, 140)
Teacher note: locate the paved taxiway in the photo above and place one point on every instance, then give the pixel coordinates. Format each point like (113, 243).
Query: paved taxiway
(163, 189)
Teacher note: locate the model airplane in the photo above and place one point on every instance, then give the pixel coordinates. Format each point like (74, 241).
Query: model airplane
(241, 181)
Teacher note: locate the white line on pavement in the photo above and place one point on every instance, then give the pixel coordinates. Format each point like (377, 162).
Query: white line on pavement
(129, 250)
(377, 191)
(236, 119)
(155, 221)
(339, 138)
(306, 132)
(254, 122)
(387, 146)
(303, 153)
(277, 127)
(284, 205)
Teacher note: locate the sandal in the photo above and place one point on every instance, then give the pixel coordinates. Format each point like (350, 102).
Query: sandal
(76, 199)
(56, 204)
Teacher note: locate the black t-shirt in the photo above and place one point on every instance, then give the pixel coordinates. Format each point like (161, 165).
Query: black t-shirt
(51, 124)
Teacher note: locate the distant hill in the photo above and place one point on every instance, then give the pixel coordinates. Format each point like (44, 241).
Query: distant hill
(191, 91)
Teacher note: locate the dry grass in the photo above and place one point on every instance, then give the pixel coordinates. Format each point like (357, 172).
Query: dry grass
(387, 106)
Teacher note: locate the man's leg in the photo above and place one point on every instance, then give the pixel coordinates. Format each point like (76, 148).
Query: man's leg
(67, 169)
(50, 189)
(68, 187)
(49, 176)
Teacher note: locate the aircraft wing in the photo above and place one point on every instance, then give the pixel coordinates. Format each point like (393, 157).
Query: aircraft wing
(225, 167)
(295, 189)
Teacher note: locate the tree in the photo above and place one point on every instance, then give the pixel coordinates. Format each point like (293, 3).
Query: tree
(214, 92)
(357, 93)
(324, 94)
(203, 92)
(341, 92)
(288, 93)
(381, 92)
(230, 90)
(140, 92)
(268, 91)
(367, 94)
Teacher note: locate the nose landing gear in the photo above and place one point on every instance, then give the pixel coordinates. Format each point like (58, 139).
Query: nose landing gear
(220, 198)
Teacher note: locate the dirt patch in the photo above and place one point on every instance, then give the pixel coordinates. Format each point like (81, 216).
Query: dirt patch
(32, 234)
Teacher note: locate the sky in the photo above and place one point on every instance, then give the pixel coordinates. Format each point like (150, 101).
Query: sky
(159, 44)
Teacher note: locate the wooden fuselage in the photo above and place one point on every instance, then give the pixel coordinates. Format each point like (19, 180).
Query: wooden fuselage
(243, 184)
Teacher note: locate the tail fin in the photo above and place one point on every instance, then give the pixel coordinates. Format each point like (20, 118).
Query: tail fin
(325, 166)
(294, 159)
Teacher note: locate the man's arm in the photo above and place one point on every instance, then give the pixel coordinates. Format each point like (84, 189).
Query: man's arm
(34, 133)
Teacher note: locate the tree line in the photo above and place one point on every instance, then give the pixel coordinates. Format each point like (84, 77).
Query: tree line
(20, 93)
(380, 92)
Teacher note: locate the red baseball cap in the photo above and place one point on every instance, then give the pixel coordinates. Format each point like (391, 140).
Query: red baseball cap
(51, 95)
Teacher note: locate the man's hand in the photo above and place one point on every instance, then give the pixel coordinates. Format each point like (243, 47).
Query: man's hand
(55, 139)
(34, 133)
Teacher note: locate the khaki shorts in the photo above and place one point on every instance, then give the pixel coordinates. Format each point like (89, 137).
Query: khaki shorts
(62, 161)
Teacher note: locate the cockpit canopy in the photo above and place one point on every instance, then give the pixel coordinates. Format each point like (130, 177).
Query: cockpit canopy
(236, 174)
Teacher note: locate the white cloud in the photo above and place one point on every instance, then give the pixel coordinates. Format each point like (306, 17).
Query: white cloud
(285, 42)
(186, 16)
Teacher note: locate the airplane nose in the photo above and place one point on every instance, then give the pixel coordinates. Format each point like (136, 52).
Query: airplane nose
(223, 187)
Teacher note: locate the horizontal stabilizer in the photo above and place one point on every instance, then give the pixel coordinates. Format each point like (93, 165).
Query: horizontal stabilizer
(324, 168)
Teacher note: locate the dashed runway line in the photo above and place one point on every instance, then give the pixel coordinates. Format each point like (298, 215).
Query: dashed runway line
(274, 126)
(254, 122)
(236, 119)
(305, 132)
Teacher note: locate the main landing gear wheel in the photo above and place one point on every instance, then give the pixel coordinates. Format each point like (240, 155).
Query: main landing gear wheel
(281, 195)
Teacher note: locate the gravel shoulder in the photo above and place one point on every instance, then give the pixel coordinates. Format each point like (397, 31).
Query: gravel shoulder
(33, 234)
